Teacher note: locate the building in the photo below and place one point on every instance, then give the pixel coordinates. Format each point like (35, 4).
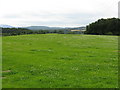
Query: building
(75, 31)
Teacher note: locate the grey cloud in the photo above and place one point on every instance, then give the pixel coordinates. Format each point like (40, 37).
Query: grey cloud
(57, 18)
(12, 16)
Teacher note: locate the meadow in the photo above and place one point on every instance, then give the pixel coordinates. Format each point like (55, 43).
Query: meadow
(60, 61)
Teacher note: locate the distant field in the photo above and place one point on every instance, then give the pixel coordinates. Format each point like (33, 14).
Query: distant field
(60, 61)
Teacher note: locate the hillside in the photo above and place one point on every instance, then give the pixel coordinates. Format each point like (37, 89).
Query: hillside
(5, 26)
(42, 27)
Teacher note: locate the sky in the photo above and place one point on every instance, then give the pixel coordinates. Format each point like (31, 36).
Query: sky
(55, 13)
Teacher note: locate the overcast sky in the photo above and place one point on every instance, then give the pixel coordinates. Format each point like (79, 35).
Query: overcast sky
(64, 13)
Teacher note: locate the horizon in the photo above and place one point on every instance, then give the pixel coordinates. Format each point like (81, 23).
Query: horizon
(42, 25)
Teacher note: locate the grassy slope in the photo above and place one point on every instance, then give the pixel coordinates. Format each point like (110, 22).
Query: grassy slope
(56, 61)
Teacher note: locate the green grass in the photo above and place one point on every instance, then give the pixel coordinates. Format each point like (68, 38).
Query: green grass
(0, 62)
(60, 61)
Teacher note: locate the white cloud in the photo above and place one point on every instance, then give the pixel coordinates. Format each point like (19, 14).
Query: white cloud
(55, 12)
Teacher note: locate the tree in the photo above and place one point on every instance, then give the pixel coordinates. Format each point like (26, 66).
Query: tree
(104, 27)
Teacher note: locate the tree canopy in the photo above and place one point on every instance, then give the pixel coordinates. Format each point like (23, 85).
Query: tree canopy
(110, 26)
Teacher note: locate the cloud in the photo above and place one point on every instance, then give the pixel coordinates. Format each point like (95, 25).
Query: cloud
(55, 12)
(12, 16)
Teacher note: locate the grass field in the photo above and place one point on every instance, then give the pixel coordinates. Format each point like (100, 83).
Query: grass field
(0, 62)
(60, 61)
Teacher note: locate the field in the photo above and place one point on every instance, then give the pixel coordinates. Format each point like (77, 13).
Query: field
(60, 61)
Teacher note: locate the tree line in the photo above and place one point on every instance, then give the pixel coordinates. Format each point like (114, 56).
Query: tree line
(110, 26)
(22, 31)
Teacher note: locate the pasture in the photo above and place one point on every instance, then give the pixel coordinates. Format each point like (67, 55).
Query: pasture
(60, 61)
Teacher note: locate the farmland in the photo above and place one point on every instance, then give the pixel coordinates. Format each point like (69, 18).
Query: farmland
(60, 61)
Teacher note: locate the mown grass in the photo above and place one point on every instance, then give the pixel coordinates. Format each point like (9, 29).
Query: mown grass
(60, 61)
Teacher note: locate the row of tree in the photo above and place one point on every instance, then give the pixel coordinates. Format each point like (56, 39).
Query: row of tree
(110, 26)
(15, 31)
(22, 31)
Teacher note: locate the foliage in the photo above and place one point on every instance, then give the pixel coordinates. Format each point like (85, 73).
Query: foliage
(104, 27)
(22, 31)
(15, 31)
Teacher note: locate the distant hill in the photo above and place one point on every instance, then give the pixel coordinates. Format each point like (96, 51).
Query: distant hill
(76, 28)
(5, 26)
(51, 28)
(42, 27)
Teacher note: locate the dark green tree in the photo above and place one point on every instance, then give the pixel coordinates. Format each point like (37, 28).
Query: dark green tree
(110, 26)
